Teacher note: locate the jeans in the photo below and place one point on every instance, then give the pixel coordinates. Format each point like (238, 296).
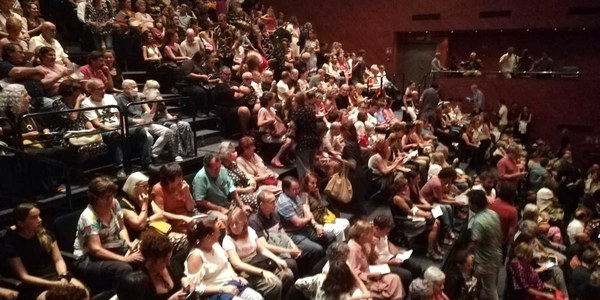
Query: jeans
(112, 139)
(312, 247)
(447, 218)
(164, 134)
(488, 275)
(103, 41)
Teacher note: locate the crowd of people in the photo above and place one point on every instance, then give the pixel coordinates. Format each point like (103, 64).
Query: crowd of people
(240, 231)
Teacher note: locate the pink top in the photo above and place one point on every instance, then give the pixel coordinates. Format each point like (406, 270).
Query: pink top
(173, 202)
(507, 166)
(433, 191)
(88, 73)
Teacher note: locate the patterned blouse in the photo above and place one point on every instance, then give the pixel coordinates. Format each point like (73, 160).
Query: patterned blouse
(524, 276)
(104, 13)
(224, 38)
(242, 179)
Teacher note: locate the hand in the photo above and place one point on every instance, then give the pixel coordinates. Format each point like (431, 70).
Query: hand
(184, 186)
(105, 70)
(395, 261)
(134, 257)
(31, 135)
(187, 219)
(80, 98)
(144, 197)
(230, 289)
(281, 264)
(243, 281)
(247, 209)
(428, 215)
(172, 118)
(295, 253)
(269, 277)
(319, 229)
(374, 276)
(179, 295)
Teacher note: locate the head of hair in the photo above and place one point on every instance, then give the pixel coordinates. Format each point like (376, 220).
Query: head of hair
(44, 50)
(461, 257)
(300, 98)
(225, 148)
(507, 192)
(69, 86)
(67, 292)
(339, 280)
(399, 183)
(99, 187)
(589, 257)
(151, 85)
(380, 147)
(201, 228)
(128, 83)
(359, 229)
(477, 199)
(11, 98)
(133, 286)
(485, 175)
(237, 215)
(287, 181)
(337, 251)
(437, 157)
(155, 245)
(169, 172)
(13, 23)
(306, 178)
(244, 143)
(266, 98)
(94, 55)
(8, 50)
(20, 213)
(132, 181)
(595, 278)
(383, 221)
(262, 196)
(434, 274)
(523, 251)
(349, 131)
(209, 159)
(448, 173)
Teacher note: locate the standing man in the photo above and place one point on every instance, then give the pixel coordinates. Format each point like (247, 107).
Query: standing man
(225, 37)
(429, 103)
(504, 207)
(478, 100)
(502, 115)
(507, 62)
(508, 167)
(485, 243)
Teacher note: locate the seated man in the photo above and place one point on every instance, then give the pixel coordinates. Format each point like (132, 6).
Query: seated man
(214, 190)
(97, 68)
(15, 69)
(48, 38)
(141, 115)
(296, 222)
(196, 83)
(108, 120)
(231, 97)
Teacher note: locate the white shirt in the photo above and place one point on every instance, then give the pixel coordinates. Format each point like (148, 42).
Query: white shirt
(257, 88)
(189, 49)
(575, 227)
(283, 90)
(39, 41)
(503, 115)
(491, 197)
(106, 116)
(245, 248)
(216, 269)
(507, 62)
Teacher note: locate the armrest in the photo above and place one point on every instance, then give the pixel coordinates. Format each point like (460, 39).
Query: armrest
(69, 258)
(10, 283)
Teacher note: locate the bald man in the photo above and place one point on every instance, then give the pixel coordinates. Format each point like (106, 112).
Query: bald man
(191, 44)
(48, 38)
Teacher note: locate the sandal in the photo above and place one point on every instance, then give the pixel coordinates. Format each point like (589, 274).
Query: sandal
(434, 256)
(276, 164)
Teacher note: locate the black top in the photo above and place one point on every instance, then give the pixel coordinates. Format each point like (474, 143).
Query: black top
(342, 102)
(307, 137)
(224, 95)
(34, 87)
(261, 223)
(151, 292)
(35, 259)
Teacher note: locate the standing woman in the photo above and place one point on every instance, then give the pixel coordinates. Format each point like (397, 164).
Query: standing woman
(311, 46)
(480, 125)
(523, 123)
(100, 17)
(293, 27)
(33, 255)
(410, 97)
(102, 245)
(145, 19)
(33, 18)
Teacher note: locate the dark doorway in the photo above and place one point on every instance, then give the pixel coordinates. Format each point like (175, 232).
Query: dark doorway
(416, 59)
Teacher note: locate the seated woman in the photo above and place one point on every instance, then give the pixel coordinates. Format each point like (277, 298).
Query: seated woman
(172, 195)
(411, 142)
(183, 140)
(156, 279)
(105, 252)
(461, 285)
(244, 183)
(468, 143)
(150, 52)
(248, 254)
(272, 127)
(431, 286)
(13, 27)
(208, 268)
(139, 211)
(427, 142)
(54, 73)
(171, 48)
(337, 282)
(315, 205)
(33, 255)
(253, 164)
(525, 280)
(382, 169)
(381, 286)
(414, 219)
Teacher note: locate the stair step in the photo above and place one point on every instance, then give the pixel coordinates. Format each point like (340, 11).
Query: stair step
(208, 136)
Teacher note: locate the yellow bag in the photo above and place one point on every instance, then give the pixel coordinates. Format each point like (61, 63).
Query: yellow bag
(161, 226)
(339, 187)
(329, 217)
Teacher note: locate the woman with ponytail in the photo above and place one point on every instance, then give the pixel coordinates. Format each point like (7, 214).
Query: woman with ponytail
(33, 255)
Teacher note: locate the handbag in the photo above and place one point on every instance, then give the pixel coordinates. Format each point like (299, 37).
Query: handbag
(161, 226)
(262, 262)
(82, 140)
(339, 186)
(278, 130)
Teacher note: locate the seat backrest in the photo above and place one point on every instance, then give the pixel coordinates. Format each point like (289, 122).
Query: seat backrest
(65, 229)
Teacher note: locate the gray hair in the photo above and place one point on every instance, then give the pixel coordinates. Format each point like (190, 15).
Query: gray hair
(337, 251)
(528, 227)
(434, 274)
(132, 181)
(11, 99)
(128, 82)
(225, 148)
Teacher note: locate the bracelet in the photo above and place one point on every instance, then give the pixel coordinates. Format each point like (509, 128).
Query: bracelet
(66, 276)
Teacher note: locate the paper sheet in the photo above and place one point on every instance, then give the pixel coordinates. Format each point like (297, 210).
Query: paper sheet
(436, 211)
(404, 255)
(382, 269)
(462, 198)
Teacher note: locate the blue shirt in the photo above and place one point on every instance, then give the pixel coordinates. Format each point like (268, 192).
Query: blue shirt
(288, 208)
(215, 190)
